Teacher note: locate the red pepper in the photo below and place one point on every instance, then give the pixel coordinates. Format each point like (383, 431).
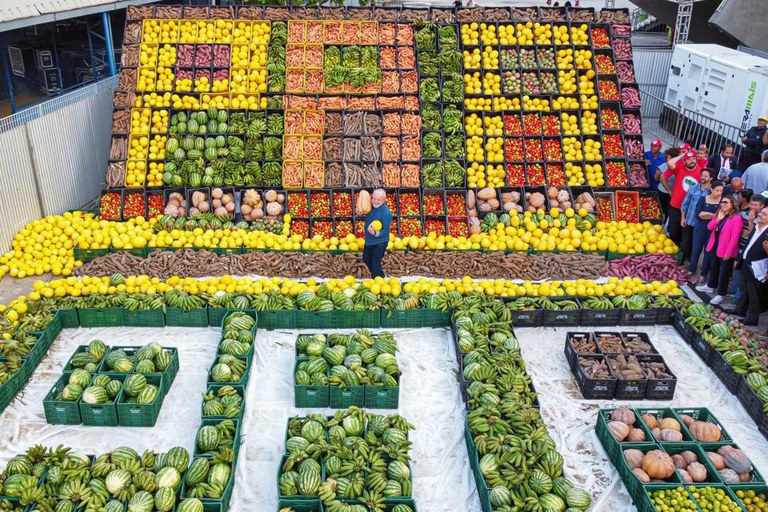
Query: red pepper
(626, 208)
(535, 175)
(410, 226)
(513, 150)
(323, 228)
(515, 175)
(409, 203)
(512, 124)
(435, 225)
(551, 125)
(300, 227)
(298, 205)
(321, 204)
(109, 206)
(134, 205)
(608, 90)
(616, 173)
(533, 150)
(457, 205)
(532, 124)
(650, 208)
(155, 205)
(343, 228)
(605, 65)
(600, 38)
(458, 227)
(342, 204)
(553, 150)
(609, 119)
(555, 175)
(604, 209)
(433, 204)
(613, 146)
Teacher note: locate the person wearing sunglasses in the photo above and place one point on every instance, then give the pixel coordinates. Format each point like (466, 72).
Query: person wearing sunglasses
(723, 248)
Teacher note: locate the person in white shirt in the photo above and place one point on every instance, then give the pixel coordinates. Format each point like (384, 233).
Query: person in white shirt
(756, 175)
(725, 164)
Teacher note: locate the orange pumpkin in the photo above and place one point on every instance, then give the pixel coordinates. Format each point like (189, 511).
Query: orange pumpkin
(668, 434)
(634, 458)
(697, 471)
(619, 430)
(636, 435)
(650, 420)
(705, 431)
(670, 423)
(658, 464)
(623, 414)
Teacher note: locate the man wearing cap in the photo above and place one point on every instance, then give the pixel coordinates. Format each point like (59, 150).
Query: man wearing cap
(686, 168)
(653, 159)
(756, 175)
(755, 142)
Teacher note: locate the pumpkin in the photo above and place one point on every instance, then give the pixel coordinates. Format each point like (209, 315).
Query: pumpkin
(685, 476)
(736, 460)
(656, 432)
(705, 431)
(717, 460)
(670, 423)
(658, 464)
(729, 476)
(364, 205)
(470, 199)
(619, 430)
(679, 461)
(623, 414)
(641, 475)
(636, 435)
(486, 194)
(745, 477)
(633, 458)
(687, 420)
(270, 196)
(697, 471)
(650, 421)
(274, 209)
(668, 434)
(689, 457)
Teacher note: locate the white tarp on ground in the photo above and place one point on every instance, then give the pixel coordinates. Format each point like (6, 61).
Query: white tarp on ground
(429, 398)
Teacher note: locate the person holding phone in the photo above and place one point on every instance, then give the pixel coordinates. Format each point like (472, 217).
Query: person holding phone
(723, 248)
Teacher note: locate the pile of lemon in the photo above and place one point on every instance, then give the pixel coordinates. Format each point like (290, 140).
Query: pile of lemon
(472, 83)
(166, 56)
(588, 102)
(564, 58)
(481, 176)
(491, 83)
(473, 125)
(592, 151)
(569, 124)
(490, 58)
(147, 79)
(153, 100)
(574, 173)
(507, 35)
(488, 34)
(539, 104)
(589, 122)
(472, 59)
(543, 33)
(565, 103)
(185, 101)
(470, 34)
(478, 104)
(566, 81)
(164, 80)
(595, 175)
(501, 103)
(475, 151)
(579, 35)
(572, 149)
(524, 32)
(494, 149)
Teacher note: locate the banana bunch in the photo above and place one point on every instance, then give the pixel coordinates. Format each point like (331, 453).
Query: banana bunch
(226, 401)
(560, 305)
(142, 301)
(525, 304)
(670, 301)
(402, 303)
(597, 303)
(183, 300)
(699, 324)
(633, 302)
(309, 301)
(19, 345)
(37, 318)
(272, 301)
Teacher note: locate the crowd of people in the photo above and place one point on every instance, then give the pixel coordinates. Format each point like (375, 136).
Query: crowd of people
(715, 209)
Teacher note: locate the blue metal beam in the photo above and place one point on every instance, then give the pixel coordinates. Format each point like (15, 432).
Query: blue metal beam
(9, 80)
(107, 20)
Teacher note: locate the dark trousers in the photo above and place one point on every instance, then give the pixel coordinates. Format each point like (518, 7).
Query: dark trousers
(720, 273)
(753, 300)
(686, 244)
(372, 256)
(698, 243)
(674, 227)
(748, 159)
(664, 199)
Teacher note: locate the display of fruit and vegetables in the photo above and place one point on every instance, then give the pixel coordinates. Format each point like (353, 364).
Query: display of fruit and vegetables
(358, 359)
(150, 358)
(364, 457)
(224, 401)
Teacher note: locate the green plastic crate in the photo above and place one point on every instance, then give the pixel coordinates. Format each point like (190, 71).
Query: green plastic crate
(79, 350)
(633, 484)
(13, 385)
(756, 476)
(40, 348)
(315, 506)
(213, 422)
(316, 397)
(611, 446)
(101, 415)
(343, 398)
(242, 382)
(382, 397)
(660, 414)
(701, 414)
(294, 500)
(317, 319)
(61, 412)
(194, 318)
(212, 505)
(277, 319)
(69, 318)
(747, 490)
(145, 318)
(643, 500)
(414, 318)
(692, 490)
(140, 415)
(106, 317)
(358, 319)
(391, 503)
(214, 388)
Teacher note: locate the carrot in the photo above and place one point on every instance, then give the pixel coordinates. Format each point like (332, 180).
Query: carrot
(392, 124)
(314, 121)
(390, 149)
(412, 103)
(302, 102)
(369, 33)
(313, 174)
(386, 33)
(312, 148)
(404, 34)
(315, 31)
(350, 32)
(371, 88)
(391, 175)
(294, 122)
(390, 102)
(405, 58)
(294, 80)
(313, 56)
(390, 81)
(293, 174)
(297, 31)
(291, 148)
(410, 176)
(411, 123)
(332, 32)
(331, 103)
(313, 80)
(364, 103)
(411, 149)
(387, 58)
(294, 56)
(410, 82)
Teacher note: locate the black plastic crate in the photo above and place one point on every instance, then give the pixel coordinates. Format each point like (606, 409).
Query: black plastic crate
(626, 335)
(685, 330)
(630, 389)
(751, 402)
(600, 317)
(593, 389)
(570, 353)
(659, 389)
(527, 318)
(560, 318)
(724, 372)
(638, 316)
(703, 349)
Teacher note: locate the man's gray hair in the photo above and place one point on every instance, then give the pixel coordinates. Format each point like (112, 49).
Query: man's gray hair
(765, 155)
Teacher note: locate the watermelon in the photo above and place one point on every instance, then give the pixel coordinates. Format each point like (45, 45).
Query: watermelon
(302, 378)
(309, 483)
(101, 380)
(142, 501)
(539, 481)
(561, 486)
(394, 437)
(221, 373)
(756, 381)
(168, 477)
(762, 393)
(117, 480)
(147, 395)
(178, 458)
(316, 365)
(81, 359)
(296, 444)
(312, 431)
(182, 128)
(124, 453)
(578, 498)
(95, 395)
(193, 126)
(402, 507)
(134, 384)
(123, 365)
(397, 470)
(197, 472)
(163, 360)
(79, 378)
(19, 465)
(500, 496)
(171, 146)
(190, 505)
(208, 438)
(220, 474)
(113, 388)
(71, 392)
(353, 425)
(213, 126)
(165, 499)
(552, 502)
(113, 506)
(392, 489)
(195, 154)
(210, 153)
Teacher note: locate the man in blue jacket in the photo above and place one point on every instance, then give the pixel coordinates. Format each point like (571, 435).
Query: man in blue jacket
(755, 142)
(377, 237)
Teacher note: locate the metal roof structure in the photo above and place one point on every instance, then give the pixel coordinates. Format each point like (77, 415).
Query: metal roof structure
(23, 13)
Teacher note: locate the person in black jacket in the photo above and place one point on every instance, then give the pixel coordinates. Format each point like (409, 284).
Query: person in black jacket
(724, 164)
(753, 301)
(755, 142)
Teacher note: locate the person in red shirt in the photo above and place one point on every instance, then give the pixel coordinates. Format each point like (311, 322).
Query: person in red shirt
(686, 168)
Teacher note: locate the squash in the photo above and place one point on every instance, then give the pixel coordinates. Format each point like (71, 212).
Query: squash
(270, 196)
(670, 423)
(619, 430)
(667, 434)
(705, 431)
(641, 475)
(685, 476)
(636, 435)
(274, 209)
(717, 460)
(623, 414)
(689, 457)
(470, 199)
(633, 458)
(364, 205)
(658, 464)
(729, 476)
(697, 471)
(650, 421)
(679, 461)
(736, 460)
(486, 194)
(687, 420)
(745, 477)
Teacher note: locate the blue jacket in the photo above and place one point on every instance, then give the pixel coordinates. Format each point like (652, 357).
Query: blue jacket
(691, 203)
(383, 215)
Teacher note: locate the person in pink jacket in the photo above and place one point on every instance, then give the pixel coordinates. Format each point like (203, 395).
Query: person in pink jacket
(723, 248)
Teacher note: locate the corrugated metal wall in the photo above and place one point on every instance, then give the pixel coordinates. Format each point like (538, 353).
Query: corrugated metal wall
(651, 74)
(53, 163)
